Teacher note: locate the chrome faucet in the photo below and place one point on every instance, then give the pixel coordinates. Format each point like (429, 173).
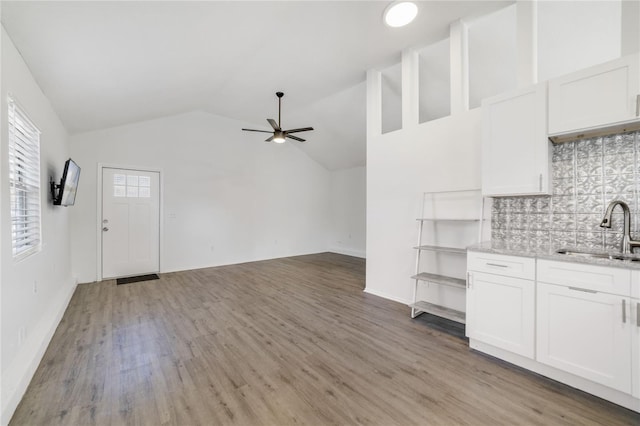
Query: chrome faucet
(628, 244)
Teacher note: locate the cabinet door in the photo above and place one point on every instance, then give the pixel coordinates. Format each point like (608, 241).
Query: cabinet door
(584, 333)
(515, 148)
(597, 96)
(500, 312)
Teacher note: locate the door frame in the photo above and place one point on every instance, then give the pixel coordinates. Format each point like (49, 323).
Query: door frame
(102, 166)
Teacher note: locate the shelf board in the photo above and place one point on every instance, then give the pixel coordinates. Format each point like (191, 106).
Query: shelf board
(451, 219)
(443, 249)
(441, 279)
(440, 311)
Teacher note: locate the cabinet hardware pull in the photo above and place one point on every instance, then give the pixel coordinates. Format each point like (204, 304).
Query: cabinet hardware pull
(540, 182)
(637, 105)
(469, 280)
(583, 290)
(497, 265)
(638, 314)
(624, 311)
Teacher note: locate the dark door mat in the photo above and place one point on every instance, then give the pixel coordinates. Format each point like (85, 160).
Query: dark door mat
(129, 280)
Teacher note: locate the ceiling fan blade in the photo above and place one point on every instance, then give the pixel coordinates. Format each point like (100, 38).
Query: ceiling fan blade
(295, 138)
(301, 129)
(269, 140)
(254, 130)
(273, 123)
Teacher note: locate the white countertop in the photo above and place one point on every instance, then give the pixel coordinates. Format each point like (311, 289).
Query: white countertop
(547, 252)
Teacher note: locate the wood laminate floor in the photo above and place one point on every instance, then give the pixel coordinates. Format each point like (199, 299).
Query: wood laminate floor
(279, 342)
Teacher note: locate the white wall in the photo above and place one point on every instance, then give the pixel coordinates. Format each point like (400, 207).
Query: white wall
(228, 197)
(573, 35)
(438, 155)
(348, 212)
(36, 290)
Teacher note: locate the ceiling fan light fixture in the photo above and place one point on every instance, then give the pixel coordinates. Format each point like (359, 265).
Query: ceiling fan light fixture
(278, 137)
(400, 13)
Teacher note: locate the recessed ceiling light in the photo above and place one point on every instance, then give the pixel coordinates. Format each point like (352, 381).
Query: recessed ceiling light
(400, 13)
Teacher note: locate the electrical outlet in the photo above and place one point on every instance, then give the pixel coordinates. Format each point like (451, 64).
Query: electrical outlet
(35, 287)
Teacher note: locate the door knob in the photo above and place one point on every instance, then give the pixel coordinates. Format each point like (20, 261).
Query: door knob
(105, 229)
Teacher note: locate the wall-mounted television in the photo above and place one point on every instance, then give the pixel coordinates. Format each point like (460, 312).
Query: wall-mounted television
(64, 194)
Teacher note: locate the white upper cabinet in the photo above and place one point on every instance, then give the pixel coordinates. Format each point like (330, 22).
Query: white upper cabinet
(598, 96)
(515, 147)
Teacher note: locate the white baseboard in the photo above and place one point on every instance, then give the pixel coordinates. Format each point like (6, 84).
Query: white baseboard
(569, 379)
(349, 252)
(18, 375)
(387, 296)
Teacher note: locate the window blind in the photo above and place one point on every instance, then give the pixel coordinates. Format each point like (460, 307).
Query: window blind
(24, 182)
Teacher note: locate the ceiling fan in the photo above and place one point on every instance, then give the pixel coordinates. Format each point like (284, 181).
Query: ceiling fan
(280, 135)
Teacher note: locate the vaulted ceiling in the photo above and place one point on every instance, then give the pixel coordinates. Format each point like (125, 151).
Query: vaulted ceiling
(104, 64)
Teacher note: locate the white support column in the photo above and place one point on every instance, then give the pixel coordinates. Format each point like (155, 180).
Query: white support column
(410, 89)
(459, 67)
(630, 37)
(527, 42)
(374, 103)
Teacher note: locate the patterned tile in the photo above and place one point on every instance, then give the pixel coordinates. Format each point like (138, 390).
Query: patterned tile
(587, 175)
(591, 240)
(589, 148)
(589, 166)
(563, 152)
(563, 170)
(612, 240)
(563, 238)
(590, 203)
(589, 223)
(564, 204)
(619, 164)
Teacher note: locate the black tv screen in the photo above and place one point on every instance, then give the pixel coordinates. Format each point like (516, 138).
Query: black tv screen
(68, 184)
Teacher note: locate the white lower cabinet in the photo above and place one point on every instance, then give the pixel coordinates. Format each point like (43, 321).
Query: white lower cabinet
(573, 322)
(501, 301)
(585, 333)
(500, 312)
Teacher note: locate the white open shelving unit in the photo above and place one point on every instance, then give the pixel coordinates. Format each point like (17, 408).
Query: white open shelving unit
(449, 222)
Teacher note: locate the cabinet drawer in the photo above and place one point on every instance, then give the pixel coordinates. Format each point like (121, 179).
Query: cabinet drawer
(588, 277)
(498, 264)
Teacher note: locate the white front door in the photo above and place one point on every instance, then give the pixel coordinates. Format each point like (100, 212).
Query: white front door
(130, 222)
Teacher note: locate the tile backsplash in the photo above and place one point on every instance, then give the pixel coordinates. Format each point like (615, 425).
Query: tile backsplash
(586, 175)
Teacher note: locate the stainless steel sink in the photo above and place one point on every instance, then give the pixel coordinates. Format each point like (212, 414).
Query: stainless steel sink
(599, 255)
